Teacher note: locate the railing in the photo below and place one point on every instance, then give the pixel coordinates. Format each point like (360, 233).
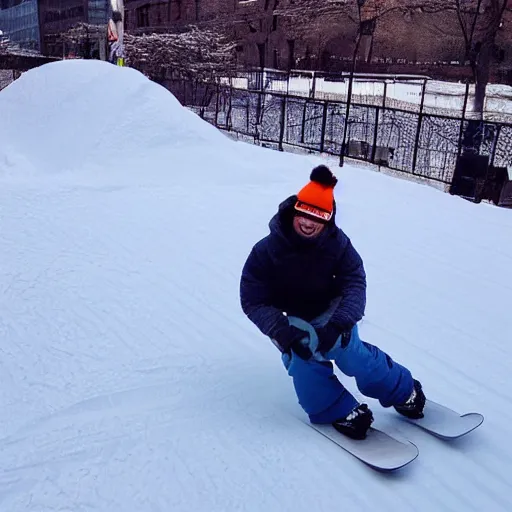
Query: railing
(7, 76)
(411, 140)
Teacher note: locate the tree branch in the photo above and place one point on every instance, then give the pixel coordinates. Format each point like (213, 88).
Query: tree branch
(192, 54)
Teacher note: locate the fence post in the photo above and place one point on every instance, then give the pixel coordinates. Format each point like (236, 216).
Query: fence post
(259, 116)
(461, 130)
(324, 122)
(282, 122)
(347, 115)
(248, 112)
(303, 121)
(228, 115)
(418, 130)
(375, 134)
(217, 103)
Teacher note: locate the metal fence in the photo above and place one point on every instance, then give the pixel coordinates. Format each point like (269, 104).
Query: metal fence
(7, 76)
(411, 140)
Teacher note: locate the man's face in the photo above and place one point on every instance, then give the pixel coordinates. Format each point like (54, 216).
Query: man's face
(307, 227)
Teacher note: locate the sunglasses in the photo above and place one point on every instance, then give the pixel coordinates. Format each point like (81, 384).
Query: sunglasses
(313, 211)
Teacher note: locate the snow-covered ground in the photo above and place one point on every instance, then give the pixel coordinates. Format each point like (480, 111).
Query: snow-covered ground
(440, 97)
(130, 380)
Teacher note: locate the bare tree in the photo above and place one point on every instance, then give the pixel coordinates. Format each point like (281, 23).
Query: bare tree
(80, 31)
(194, 54)
(304, 11)
(479, 22)
(81, 36)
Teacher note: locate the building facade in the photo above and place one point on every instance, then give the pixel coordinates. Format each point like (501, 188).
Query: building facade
(396, 39)
(58, 16)
(37, 24)
(19, 21)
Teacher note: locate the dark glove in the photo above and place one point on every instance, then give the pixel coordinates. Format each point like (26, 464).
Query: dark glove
(329, 334)
(289, 338)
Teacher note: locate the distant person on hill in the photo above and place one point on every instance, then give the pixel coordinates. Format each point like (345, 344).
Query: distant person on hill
(304, 286)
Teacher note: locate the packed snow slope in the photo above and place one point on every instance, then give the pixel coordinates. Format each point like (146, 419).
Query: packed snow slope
(130, 380)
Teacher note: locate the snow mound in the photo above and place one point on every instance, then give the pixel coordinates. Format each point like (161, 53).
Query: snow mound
(76, 114)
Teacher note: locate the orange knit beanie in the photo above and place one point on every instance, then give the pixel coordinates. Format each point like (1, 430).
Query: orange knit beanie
(316, 199)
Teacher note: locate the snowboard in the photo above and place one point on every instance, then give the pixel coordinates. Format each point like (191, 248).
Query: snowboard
(444, 422)
(379, 450)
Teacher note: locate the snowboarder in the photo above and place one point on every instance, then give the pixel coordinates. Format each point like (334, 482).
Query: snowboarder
(304, 286)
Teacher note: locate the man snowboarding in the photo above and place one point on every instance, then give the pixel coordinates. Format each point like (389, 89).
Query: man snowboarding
(304, 286)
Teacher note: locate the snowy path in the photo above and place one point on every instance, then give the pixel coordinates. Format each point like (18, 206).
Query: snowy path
(130, 380)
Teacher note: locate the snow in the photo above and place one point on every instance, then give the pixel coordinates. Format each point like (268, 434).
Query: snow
(67, 140)
(130, 378)
(443, 98)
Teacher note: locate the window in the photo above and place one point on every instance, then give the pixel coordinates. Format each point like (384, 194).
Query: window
(368, 27)
(143, 16)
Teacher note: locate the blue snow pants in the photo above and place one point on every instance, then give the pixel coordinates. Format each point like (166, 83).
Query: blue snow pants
(321, 394)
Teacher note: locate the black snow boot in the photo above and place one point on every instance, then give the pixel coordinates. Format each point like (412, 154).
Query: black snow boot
(413, 407)
(356, 424)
